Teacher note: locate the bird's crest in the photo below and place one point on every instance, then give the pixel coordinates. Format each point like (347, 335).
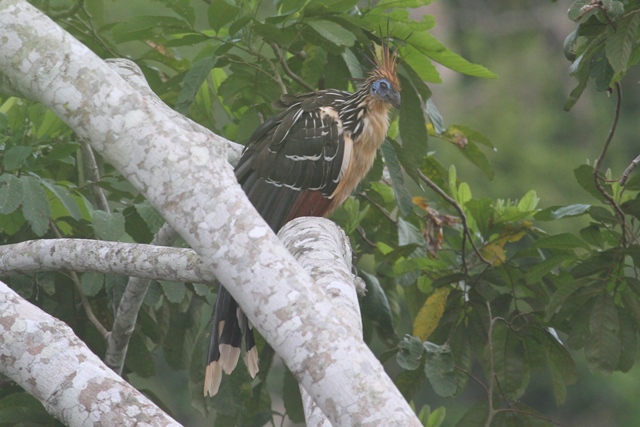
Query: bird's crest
(385, 66)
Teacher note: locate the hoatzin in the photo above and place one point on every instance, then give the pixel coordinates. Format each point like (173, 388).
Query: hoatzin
(304, 161)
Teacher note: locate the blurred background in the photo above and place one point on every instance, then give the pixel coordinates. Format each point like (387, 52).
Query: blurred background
(538, 145)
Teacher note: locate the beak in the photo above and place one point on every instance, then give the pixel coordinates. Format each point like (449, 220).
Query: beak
(393, 98)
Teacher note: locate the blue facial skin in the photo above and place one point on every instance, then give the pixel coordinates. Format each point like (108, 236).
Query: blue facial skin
(383, 89)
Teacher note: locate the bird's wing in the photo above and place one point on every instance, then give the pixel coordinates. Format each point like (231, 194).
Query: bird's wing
(295, 160)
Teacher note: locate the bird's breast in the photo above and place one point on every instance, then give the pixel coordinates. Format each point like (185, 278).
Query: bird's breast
(365, 145)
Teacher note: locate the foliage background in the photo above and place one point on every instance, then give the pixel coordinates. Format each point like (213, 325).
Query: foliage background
(538, 146)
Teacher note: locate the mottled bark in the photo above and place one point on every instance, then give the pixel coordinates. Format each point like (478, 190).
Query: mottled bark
(45, 357)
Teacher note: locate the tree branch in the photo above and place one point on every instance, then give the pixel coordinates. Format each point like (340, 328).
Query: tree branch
(124, 321)
(323, 250)
(43, 355)
(128, 259)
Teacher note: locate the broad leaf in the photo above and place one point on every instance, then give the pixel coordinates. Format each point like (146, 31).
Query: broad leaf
(620, 42)
(405, 204)
(35, 206)
(92, 283)
(375, 304)
(108, 226)
(410, 352)
(192, 82)
(602, 351)
(10, 193)
(334, 33)
(430, 314)
(439, 368)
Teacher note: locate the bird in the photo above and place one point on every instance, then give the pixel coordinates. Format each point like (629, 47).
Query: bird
(304, 161)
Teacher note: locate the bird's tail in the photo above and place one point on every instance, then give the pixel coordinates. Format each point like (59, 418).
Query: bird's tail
(229, 327)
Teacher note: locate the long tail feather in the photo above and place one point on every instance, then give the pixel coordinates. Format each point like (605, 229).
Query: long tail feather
(229, 327)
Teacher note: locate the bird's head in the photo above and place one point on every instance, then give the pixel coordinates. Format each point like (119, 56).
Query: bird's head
(383, 80)
(383, 89)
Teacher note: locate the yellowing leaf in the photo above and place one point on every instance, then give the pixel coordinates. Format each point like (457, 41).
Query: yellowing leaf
(494, 252)
(430, 314)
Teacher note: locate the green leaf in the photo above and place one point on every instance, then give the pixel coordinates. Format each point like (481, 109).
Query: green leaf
(173, 291)
(620, 42)
(561, 367)
(192, 81)
(174, 342)
(428, 45)
(439, 369)
(182, 8)
(410, 351)
(335, 6)
(413, 131)
(628, 341)
(409, 382)
(434, 117)
(603, 348)
(403, 198)
(10, 193)
(375, 304)
(414, 62)
(476, 416)
(472, 153)
(139, 359)
(536, 272)
(143, 27)
(436, 418)
(565, 241)
(222, 13)
(65, 197)
(291, 397)
(334, 33)
(555, 212)
(108, 226)
(561, 295)
(15, 157)
(22, 409)
(150, 215)
(92, 283)
(63, 152)
(521, 415)
(35, 206)
(482, 213)
(509, 361)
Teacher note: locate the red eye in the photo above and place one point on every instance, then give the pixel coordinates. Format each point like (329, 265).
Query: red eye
(384, 85)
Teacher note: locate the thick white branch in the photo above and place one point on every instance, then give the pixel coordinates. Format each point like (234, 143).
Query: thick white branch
(45, 357)
(323, 250)
(127, 259)
(184, 173)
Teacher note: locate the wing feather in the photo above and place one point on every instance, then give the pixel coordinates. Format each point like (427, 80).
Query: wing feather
(301, 150)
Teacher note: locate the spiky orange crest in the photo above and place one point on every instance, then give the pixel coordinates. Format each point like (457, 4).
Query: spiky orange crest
(386, 67)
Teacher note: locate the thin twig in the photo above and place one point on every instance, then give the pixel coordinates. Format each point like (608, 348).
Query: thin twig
(463, 218)
(598, 163)
(377, 206)
(288, 70)
(625, 175)
(491, 367)
(91, 166)
(473, 377)
(363, 234)
(83, 298)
